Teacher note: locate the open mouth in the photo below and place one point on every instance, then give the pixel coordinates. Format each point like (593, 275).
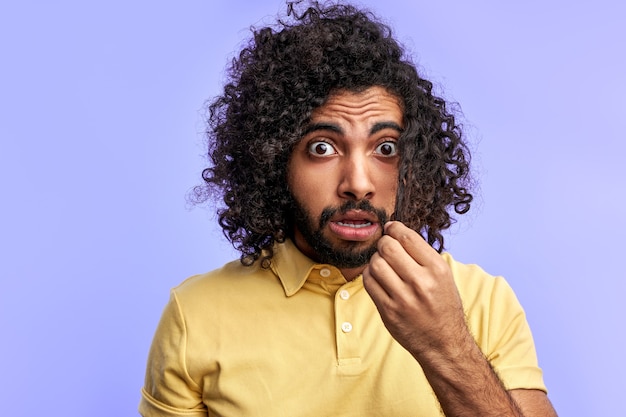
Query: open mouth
(354, 224)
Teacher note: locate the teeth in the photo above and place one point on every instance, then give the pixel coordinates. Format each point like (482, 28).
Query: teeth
(355, 225)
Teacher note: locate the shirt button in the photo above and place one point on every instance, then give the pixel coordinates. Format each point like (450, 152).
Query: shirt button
(325, 272)
(346, 327)
(344, 294)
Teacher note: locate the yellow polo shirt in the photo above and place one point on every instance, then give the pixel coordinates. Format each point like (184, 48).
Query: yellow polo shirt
(299, 340)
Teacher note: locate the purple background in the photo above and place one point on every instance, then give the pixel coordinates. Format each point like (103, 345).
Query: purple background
(101, 121)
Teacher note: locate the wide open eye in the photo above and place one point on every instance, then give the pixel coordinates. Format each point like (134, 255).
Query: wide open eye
(387, 149)
(321, 148)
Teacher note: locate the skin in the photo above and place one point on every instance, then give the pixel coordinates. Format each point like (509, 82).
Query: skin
(414, 291)
(348, 154)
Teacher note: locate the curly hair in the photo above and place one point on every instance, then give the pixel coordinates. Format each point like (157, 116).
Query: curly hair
(278, 79)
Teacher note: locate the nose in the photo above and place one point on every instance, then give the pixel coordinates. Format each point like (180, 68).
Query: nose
(356, 180)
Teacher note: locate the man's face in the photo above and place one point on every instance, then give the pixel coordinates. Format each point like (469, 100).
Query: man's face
(343, 176)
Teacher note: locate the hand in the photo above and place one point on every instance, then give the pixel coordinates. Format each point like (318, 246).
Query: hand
(414, 291)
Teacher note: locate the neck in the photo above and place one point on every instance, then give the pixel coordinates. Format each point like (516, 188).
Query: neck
(348, 273)
(351, 273)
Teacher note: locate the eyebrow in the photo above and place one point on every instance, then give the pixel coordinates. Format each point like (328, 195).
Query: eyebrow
(335, 128)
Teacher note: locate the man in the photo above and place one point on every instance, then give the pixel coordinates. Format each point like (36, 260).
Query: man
(337, 168)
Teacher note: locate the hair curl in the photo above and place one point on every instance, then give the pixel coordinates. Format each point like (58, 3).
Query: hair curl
(275, 83)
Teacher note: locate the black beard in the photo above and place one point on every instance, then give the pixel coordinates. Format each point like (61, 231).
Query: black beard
(346, 256)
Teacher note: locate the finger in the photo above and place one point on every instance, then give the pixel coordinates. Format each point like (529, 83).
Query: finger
(398, 259)
(376, 292)
(418, 265)
(413, 243)
(380, 280)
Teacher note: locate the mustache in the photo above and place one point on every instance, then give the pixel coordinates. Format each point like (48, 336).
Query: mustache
(363, 205)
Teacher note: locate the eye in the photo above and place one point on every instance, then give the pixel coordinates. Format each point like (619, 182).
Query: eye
(320, 148)
(387, 149)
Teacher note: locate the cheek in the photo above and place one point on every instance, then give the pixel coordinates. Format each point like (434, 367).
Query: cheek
(297, 181)
(304, 187)
(387, 185)
(391, 197)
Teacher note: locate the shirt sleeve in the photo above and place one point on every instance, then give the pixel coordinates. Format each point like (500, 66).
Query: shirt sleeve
(169, 391)
(510, 346)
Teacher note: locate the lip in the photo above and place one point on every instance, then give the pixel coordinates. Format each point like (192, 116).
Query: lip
(354, 225)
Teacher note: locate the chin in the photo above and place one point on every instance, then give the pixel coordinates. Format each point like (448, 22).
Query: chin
(346, 254)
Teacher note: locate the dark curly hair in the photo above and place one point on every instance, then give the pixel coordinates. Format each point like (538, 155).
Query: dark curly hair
(278, 79)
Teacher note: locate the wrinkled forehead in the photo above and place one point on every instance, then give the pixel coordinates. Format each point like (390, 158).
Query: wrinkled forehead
(367, 104)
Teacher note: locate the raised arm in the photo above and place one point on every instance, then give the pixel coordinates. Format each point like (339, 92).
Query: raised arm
(415, 293)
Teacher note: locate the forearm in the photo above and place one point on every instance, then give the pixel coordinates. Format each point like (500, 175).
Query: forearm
(419, 302)
(465, 383)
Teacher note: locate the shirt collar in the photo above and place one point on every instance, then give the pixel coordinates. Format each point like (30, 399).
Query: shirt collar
(291, 266)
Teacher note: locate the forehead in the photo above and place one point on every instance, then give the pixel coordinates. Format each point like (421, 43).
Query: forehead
(374, 103)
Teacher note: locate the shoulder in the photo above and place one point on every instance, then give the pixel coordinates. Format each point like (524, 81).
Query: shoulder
(225, 287)
(490, 303)
(474, 283)
(498, 322)
(227, 275)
